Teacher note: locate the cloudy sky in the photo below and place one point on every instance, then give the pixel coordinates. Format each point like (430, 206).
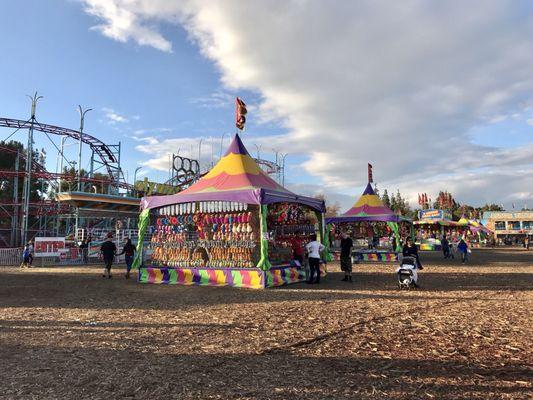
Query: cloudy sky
(436, 95)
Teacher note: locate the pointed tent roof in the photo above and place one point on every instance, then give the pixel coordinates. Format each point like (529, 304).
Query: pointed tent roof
(369, 207)
(236, 177)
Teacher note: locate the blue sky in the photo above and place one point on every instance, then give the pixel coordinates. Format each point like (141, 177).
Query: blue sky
(52, 50)
(431, 104)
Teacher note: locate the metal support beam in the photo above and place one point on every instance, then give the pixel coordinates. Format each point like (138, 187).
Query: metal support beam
(29, 158)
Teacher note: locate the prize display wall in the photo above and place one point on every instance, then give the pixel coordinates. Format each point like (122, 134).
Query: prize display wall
(225, 243)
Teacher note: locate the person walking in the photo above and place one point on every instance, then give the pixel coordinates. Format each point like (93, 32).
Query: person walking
(129, 253)
(410, 250)
(526, 242)
(313, 249)
(346, 257)
(26, 257)
(108, 250)
(445, 244)
(463, 249)
(84, 249)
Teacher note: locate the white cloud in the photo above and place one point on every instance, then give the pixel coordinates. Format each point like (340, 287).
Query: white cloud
(530, 121)
(112, 117)
(397, 84)
(120, 22)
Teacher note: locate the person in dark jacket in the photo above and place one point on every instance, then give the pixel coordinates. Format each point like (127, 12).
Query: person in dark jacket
(129, 253)
(346, 257)
(108, 250)
(463, 249)
(446, 247)
(410, 250)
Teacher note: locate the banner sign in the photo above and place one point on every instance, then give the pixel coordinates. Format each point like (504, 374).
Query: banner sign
(433, 214)
(49, 246)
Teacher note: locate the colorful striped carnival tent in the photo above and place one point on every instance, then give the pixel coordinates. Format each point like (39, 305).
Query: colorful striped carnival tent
(236, 177)
(370, 208)
(221, 218)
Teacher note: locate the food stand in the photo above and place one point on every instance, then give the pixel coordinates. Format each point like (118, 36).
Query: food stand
(234, 227)
(374, 226)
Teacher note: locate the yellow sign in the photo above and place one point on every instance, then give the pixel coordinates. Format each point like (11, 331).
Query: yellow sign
(151, 188)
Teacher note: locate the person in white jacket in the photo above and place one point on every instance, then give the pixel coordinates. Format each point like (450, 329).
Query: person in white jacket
(313, 249)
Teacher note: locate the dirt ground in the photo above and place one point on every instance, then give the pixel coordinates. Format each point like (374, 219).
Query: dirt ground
(66, 333)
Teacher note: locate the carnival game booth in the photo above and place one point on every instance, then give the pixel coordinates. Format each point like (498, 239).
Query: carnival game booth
(236, 226)
(433, 224)
(375, 229)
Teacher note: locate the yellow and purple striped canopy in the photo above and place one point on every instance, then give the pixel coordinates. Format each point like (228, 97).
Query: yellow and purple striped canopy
(236, 177)
(237, 170)
(369, 207)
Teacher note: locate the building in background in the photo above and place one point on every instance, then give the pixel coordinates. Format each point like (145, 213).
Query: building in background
(510, 226)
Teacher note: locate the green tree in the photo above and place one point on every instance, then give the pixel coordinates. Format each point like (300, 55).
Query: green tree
(385, 198)
(332, 209)
(39, 185)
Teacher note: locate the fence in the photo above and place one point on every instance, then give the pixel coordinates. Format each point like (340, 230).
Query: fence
(9, 257)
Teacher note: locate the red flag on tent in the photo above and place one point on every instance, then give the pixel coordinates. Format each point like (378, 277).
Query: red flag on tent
(240, 112)
(370, 178)
(419, 200)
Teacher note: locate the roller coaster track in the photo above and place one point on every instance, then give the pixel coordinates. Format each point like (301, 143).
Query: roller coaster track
(103, 151)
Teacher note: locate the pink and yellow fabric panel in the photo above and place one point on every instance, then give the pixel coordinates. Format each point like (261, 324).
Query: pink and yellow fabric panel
(245, 278)
(284, 276)
(378, 257)
(237, 170)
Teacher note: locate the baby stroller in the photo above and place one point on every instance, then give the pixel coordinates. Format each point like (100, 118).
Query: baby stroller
(407, 273)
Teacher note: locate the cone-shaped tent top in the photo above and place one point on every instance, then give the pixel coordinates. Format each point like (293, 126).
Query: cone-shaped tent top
(236, 177)
(235, 171)
(369, 207)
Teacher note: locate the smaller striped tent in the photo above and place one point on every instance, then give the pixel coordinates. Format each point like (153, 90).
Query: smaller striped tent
(369, 207)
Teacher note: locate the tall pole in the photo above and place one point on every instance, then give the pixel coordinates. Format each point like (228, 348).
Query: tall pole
(258, 148)
(222, 143)
(135, 175)
(212, 148)
(199, 151)
(91, 169)
(283, 169)
(14, 220)
(61, 152)
(82, 120)
(27, 178)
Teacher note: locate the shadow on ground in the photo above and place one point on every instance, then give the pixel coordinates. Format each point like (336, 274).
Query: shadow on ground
(82, 373)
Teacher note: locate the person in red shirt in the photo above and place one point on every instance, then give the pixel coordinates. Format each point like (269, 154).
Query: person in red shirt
(297, 248)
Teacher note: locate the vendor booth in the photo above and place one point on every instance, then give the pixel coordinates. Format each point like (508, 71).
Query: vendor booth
(375, 229)
(434, 224)
(236, 226)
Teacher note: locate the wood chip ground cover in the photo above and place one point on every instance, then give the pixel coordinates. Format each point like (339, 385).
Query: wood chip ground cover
(66, 333)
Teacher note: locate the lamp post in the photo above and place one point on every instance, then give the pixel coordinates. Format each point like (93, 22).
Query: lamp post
(29, 158)
(283, 169)
(135, 176)
(258, 148)
(82, 119)
(200, 150)
(222, 143)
